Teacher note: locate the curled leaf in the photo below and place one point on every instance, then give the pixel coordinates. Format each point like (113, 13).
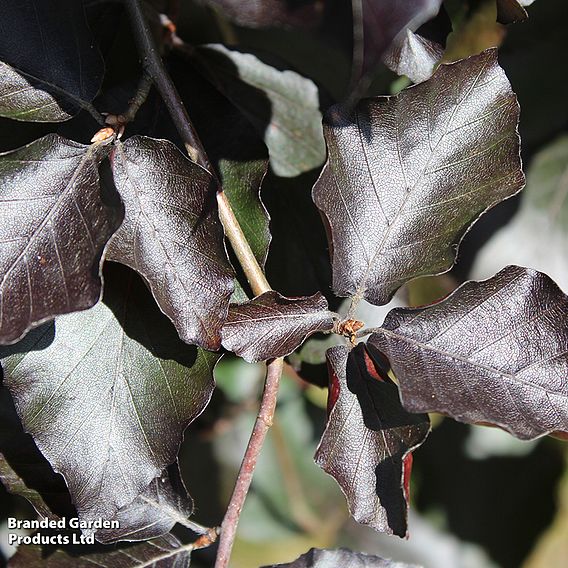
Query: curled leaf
(272, 325)
(368, 440)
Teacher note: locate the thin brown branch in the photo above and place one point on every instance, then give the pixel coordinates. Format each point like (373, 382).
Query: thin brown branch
(154, 67)
(261, 426)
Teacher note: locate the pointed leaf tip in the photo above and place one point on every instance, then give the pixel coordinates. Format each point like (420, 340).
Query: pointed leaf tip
(368, 438)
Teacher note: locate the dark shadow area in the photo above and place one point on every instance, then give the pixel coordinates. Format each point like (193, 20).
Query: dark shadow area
(501, 503)
(20, 458)
(133, 305)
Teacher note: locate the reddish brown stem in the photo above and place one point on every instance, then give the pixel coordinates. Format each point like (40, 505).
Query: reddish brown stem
(155, 69)
(261, 426)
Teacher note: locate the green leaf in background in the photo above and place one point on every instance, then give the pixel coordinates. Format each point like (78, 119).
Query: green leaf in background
(537, 237)
(282, 105)
(108, 398)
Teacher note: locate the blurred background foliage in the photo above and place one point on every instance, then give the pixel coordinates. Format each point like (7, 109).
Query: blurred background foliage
(480, 498)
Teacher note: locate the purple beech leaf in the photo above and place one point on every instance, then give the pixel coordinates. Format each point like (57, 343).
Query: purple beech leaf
(108, 398)
(57, 70)
(494, 352)
(163, 552)
(341, 558)
(368, 440)
(406, 176)
(271, 13)
(376, 24)
(54, 224)
(413, 56)
(272, 325)
(172, 236)
(154, 512)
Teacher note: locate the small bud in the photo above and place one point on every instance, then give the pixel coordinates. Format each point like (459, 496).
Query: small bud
(103, 134)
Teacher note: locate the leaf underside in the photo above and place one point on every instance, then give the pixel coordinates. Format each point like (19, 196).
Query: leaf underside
(406, 176)
(51, 75)
(154, 512)
(368, 440)
(493, 352)
(377, 23)
(54, 224)
(172, 236)
(272, 325)
(108, 398)
(344, 558)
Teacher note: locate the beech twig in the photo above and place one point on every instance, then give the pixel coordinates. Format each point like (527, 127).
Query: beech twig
(154, 67)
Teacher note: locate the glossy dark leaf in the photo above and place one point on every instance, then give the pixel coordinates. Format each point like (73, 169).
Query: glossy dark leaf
(413, 56)
(54, 224)
(172, 236)
(344, 558)
(56, 70)
(154, 512)
(406, 176)
(108, 398)
(493, 351)
(368, 440)
(511, 11)
(378, 22)
(162, 552)
(271, 13)
(273, 326)
(292, 128)
(24, 471)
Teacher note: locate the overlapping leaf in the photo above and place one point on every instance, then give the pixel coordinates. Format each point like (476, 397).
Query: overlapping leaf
(108, 398)
(494, 351)
(272, 325)
(413, 56)
(282, 105)
(57, 69)
(369, 438)
(163, 552)
(172, 236)
(318, 558)
(54, 223)
(154, 512)
(406, 176)
(377, 23)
